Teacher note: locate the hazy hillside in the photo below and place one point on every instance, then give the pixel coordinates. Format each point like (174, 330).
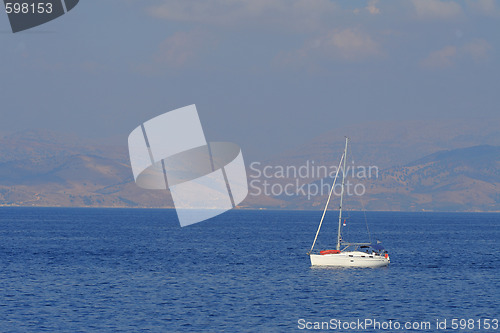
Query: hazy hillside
(415, 172)
(396, 143)
(466, 179)
(389, 147)
(46, 169)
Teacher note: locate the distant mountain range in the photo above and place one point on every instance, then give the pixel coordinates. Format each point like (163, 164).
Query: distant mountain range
(387, 144)
(465, 179)
(40, 168)
(418, 165)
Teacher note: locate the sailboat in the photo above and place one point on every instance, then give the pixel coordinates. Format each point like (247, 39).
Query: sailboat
(347, 254)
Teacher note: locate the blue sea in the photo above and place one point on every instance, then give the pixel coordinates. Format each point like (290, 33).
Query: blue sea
(134, 270)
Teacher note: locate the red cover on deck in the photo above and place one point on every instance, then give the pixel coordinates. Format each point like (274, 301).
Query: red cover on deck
(329, 252)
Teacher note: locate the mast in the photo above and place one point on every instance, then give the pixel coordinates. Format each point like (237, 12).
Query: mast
(342, 195)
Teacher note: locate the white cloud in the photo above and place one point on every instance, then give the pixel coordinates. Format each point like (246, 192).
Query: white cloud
(485, 7)
(476, 50)
(441, 58)
(179, 50)
(436, 9)
(348, 45)
(351, 44)
(372, 7)
(300, 14)
(182, 47)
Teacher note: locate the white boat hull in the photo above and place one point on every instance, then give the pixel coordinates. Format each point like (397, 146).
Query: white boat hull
(349, 259)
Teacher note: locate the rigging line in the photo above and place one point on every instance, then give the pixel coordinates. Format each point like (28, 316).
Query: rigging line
(326, 206)
(366, 221)
(363, 207)
(347, 234)
(339, 233)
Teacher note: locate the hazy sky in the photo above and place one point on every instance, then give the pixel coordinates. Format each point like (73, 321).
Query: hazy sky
(265, 74)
